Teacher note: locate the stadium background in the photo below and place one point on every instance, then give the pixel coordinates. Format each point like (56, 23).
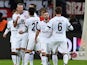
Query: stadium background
(75, 7)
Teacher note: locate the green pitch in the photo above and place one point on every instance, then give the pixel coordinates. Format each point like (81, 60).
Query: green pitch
(38, 62)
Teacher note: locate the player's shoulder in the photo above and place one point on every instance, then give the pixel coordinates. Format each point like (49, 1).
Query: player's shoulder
(64, 18)
(52, 19)
(37, 17)
(25, 11)
(10, 22)
(15, 14)
(41, 22)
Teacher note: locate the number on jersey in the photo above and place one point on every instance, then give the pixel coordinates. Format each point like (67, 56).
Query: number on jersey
(34, 26)
(59, 26)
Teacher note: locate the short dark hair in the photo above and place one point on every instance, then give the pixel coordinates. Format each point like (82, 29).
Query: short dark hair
(58, 10)
(19, 4)
(33, 5)
(31, 11)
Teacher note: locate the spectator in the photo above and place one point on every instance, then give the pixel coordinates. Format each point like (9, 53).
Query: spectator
(76, 24)
(3, 23)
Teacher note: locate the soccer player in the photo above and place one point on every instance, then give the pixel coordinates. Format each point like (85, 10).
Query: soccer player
(19, 18)
(59, 25)
(44, 36)
(31, 24)
(13, 38)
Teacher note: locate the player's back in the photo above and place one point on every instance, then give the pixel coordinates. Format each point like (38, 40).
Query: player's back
(31, 24)
(59, 25)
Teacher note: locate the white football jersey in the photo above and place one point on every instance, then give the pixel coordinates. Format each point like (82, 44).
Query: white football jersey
(31, 23)
(21, 20)
(12, 28)
(43, 32)
(60, 26)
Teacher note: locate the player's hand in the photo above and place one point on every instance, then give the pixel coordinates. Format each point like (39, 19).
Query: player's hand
(4, 36)
(21, 32)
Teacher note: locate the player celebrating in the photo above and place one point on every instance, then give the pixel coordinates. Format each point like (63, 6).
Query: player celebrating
(19, 18)
(31, 24)
(13, 42)
(44, 36)
(59, 26)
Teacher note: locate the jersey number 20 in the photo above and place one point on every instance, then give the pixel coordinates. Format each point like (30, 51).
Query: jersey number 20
(34, 26)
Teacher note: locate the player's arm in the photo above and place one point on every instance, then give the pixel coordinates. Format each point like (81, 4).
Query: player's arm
(70, 27)
(5, 33)
(6, 30)
(37, 33)
(15, 21)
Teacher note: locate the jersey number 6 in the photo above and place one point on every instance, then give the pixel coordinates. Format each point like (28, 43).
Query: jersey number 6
(59, 26)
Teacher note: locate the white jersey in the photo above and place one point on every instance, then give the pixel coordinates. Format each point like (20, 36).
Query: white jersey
(31, 24)
(60, 26)
(21, 21)
(12, 29)
(43, 32)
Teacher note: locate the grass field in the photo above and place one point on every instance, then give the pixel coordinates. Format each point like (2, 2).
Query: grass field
(38, 62)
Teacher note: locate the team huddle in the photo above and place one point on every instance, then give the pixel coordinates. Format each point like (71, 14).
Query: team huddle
(29, 34)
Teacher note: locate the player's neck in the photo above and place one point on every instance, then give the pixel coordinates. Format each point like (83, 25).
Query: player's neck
(19, 12)
(46, 21)
(31, 15)
(58, 15)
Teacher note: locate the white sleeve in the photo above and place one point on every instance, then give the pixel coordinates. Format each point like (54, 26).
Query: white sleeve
(50, 24)
(69, 26)
(35, 15)
(6, 31)
(14, 17)
(8, 25)
(38, 26)
(26, 22)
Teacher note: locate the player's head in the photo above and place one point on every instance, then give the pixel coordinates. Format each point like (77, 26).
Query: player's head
(31, 11)
(58, 10)
(19, 7)
(32, 6)
(46, 15)
(42, 10)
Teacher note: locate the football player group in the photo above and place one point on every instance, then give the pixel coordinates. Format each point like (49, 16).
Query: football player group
(29, 34)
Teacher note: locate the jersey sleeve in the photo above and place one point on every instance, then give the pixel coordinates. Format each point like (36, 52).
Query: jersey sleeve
(26, 22)
(69, 26)
(8, 25)
(14, 17)
(38, 26)
(50, 24)
(8, 28)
